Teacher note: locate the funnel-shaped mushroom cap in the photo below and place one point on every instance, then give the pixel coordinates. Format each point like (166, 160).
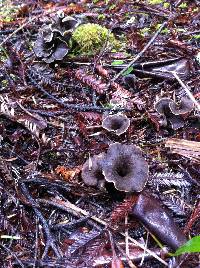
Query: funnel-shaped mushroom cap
(162, 105)
(117, 123)
(64, 24)
(185, 106)
(92, 171)
(125, 166)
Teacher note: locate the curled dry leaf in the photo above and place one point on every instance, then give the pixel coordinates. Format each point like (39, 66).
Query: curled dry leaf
(157, 220)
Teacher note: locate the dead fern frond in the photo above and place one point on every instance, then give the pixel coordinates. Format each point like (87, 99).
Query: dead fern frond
(176, 204)
(83, 240)
(5, 170)
(45, 76)
(123, 208)
(91, 81)
(170, 179)
(33, 128)
(5, 106)
(121, 96)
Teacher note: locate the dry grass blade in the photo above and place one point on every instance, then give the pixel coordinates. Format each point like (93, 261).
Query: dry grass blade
(189, 149)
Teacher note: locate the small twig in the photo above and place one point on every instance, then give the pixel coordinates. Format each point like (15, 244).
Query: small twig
(141, 52)
(13, 255)
(143, 256)
(187, 90)
(126, 233)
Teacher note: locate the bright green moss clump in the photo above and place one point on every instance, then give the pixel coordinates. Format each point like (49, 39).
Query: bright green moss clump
(89, 39)
(155, 2)
(8, 11)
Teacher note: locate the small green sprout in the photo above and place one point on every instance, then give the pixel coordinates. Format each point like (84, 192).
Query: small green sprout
(117, 62)
(183, 5)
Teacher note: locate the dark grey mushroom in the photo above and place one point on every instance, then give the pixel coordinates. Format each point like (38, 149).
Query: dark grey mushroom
(162, 105)
(117, 123)
(64, 24)
(52, 41)
(130, 81)
(92, 171)
(125, 166)
(47, 34)
(184, 107)
(41, 49)
(59, 52)
(172, 111)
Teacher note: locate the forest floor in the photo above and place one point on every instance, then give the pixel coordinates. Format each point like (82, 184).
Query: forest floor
(99, 140)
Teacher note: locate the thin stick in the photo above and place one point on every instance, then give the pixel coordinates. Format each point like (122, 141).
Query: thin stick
(187, 90)
(141, 52)
(126, 238)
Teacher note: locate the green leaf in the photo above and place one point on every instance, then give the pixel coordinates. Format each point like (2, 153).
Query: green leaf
(128, 71)
(117, 62)
(193, 245)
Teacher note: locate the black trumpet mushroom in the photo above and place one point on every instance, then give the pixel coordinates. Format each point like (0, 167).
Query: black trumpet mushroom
(52, 41)
(92, 171)
(158, 221)
(173, 112)
(185, 106)
(117, 123)
(125, 166)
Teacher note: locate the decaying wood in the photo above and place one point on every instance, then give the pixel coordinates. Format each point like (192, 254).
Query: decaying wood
(189, 149)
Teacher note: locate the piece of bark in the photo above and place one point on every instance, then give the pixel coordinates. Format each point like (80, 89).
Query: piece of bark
(189, 149)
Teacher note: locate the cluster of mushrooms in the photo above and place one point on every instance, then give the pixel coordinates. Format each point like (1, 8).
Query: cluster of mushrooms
(124, 165)
(52, 43)
(174, 112)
